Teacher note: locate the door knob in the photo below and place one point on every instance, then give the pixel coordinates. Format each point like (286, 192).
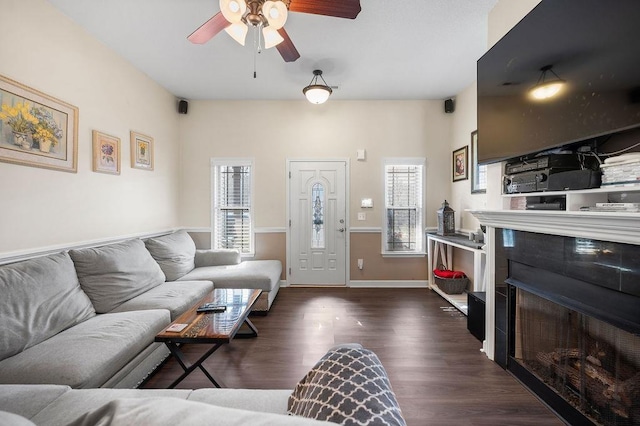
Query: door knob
(340, 229)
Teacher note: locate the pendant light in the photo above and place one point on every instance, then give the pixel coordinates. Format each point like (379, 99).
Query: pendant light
(317, 93)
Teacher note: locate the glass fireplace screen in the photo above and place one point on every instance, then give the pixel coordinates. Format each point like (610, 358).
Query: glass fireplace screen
(592, 365)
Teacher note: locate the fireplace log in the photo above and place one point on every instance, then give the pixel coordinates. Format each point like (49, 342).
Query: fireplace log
(601, 387)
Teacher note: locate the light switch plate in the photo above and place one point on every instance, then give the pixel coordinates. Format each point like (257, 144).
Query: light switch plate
(362, 216)
(366, 203)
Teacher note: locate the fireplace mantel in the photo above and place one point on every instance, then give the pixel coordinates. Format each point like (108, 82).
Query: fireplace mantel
(616, 227)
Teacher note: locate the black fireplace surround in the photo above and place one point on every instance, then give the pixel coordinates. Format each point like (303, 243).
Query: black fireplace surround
(597, 279)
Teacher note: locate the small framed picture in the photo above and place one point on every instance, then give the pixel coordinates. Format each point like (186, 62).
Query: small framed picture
(141, 151)
(106, 153)
(460, 163)
(478, 172)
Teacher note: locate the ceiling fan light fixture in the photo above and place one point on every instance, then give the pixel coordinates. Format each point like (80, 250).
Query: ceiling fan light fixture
(271, 37)
(233, 10)
(275, 12)
(238, 31)
(545, 88)
(317, 93)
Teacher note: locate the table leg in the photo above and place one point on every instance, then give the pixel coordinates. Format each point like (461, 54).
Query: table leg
(179, 356)
(253, 331)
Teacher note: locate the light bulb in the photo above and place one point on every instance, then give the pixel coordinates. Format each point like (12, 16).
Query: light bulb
(238, 31)
(271, 37)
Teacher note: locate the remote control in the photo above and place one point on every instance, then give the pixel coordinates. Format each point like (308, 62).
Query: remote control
(210, 308)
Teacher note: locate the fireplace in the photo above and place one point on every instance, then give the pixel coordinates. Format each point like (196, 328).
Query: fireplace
(568, 323)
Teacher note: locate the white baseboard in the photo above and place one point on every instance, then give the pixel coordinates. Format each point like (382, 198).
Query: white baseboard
(377, 284)
(389, 284)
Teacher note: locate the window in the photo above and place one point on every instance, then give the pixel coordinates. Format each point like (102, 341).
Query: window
(403, 194)
(232, 205)
(317, 220)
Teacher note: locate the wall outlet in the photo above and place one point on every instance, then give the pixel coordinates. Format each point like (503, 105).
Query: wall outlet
(360, 263)
(362, 216)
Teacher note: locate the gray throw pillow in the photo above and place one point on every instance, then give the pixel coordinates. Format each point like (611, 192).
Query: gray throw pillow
(174, 253)
(39, 298)
(348, 386)
(115, 273)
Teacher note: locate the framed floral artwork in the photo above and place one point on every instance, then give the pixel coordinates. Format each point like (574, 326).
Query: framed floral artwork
(460, 163)
(478, 171)
(106, 153)
(36, 129)
(141, 151)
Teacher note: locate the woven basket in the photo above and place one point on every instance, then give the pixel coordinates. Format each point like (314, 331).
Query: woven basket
(452, 285)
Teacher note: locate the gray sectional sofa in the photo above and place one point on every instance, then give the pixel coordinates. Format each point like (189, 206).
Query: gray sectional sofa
(77, 325)
(88, 317)
(348, 385)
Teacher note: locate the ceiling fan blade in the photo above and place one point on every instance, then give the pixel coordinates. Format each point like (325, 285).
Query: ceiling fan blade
(209, 29)
(286, 48)
(338, 8)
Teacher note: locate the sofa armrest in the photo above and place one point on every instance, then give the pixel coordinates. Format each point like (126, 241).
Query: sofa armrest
(217, 257)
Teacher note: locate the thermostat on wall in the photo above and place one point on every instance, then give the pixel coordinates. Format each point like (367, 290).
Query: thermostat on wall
(366, 203)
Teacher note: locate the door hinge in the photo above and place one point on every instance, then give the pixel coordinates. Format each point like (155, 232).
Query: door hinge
(289, 175)
(289, 223)
(289, 271)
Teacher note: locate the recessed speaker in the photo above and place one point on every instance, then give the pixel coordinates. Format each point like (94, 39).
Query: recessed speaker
(183, 106)
(448, 106)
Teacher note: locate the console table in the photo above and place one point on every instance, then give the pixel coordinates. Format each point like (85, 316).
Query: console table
(440, 252)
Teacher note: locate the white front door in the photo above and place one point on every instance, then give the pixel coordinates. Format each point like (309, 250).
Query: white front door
(318, 233)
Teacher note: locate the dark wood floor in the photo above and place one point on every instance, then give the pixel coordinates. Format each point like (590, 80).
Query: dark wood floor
(437, 371)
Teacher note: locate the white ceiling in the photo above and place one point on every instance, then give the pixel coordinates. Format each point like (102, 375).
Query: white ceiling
(414, 49)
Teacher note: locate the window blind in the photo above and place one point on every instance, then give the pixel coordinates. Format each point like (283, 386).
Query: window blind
(233, 208)
(403, 198)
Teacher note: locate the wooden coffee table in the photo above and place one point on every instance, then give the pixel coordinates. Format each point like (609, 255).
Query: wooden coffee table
(216, 329)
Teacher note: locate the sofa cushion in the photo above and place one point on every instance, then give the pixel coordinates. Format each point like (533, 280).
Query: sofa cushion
(29, 400)
(347, 386)
(259, 274)
(267, 401)
(38, 299)
(217, 257)
(170, 412)
(77, 402)
(88, 354)
(10, 419)
(175, 253)
(177, 297)
(115, 273)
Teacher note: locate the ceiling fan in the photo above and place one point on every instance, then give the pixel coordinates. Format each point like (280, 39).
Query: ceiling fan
(236, 16)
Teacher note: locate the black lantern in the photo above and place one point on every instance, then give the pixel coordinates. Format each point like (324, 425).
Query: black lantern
(446, 220)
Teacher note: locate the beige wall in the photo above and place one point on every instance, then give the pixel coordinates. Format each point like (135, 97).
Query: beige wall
(271, 132)
(366, 246)
(43, 49)
(502, 18)
(465, 122)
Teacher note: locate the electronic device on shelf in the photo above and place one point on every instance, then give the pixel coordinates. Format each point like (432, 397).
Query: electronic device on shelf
(552, 172)
(546, 203)
(567, 161)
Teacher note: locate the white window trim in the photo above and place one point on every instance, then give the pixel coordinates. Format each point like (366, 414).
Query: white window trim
(233, 161)
(404, 161)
